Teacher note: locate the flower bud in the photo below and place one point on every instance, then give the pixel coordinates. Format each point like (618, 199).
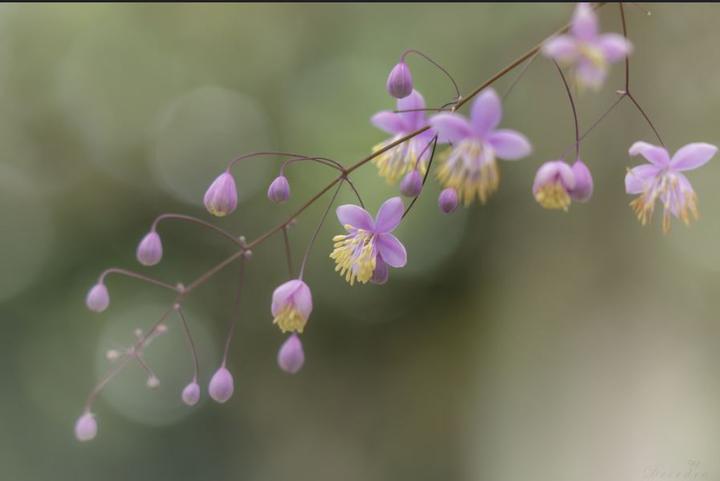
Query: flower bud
(411, 185)
(399, 82)
(381, 273)
(191, 394)
(97, 298)
(153, 382)
(291, 356)
(221, 197)
(149, 251)
(448, 200)
(112, 355)
(86, 427)
(221, 385)
(279, 190)
(583, 182)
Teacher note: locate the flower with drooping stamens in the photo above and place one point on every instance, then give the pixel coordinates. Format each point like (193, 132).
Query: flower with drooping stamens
(405, 157)
(291, 306)
(221, 197)
(586, 50)
(291, 356)
(399, 82)
(411, 185)
(662, 179)
(86, 427)
(221, 385)
(97, 298)
(150, 251)
(356, 253)
(448, 200)
(470, 166)
(191, 394)
(279, 190)
(557, 184)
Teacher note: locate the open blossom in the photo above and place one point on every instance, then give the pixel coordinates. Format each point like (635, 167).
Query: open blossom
(557, 184)
(403, 158)
(367, 249)
(587, 51)
(291, 306)
(470, 167)
(662, 179)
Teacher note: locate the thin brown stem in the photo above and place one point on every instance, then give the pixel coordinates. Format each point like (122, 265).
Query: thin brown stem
(236, 313)
(195, 220)
(574, 110)
(191, 343)
(135, 275)
(317, 231)
(440, 67)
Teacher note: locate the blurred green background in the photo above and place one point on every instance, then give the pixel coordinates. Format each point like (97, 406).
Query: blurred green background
(517, 344)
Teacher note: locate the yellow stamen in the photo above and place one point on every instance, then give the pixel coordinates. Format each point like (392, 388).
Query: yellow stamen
(290, 320)
(477, 178)
(398, 161)
(351, 264)
(553, 196)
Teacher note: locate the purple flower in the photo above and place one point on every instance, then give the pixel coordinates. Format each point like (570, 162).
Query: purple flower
(470, 166)
(369, 245)
(291, 306)
(448, 200)
(97, 298)
(291, 356)
(411, 185)
(587, 51)
(405, 157)
(86, 427)
(221, 197)
(399, 82)
(662, 179)
(191, 394)
(150, 250)
(221, 385)
(557, 184)
(279, 190)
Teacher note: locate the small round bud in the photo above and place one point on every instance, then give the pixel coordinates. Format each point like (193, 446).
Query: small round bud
(161, 329)
(279, 190)
(86, 427)
(153, 382)
(291, 356)
(112, 355)
(97, 298)
(138, 333)
(399, 82)
(150, 251)
(411, 184)
(221, 385)
(583, 182)
(221, 197)
(191, 394)
(248, 254)
(448, 200)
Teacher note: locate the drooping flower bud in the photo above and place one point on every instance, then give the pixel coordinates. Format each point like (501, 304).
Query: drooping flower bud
(221, 197)
(86, 427)
(191, 394)
(153, 382)
(97, 298)
(553, 183)
(150, 250)
(399, 82)
(279, 190)
(411, 185)
(221, 385)
(291, 356)
(381, 273)
(583, 182)
(448, 200)
(291, 306)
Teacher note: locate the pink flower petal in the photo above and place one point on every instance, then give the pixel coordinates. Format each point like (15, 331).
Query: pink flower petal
(450, 127)
(614, 46)
(415, 102)
(584, 22)
(692, 156)
(389, 215)
(509, 145)
(562, 48)
(355, 216)
(486, 112)
(638, 178)
(392, 250)
(390, 122)
(654, 154)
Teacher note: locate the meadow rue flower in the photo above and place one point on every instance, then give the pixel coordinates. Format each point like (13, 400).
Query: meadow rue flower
(221, 197)
(399, 82)
(662, 179)
(411, 185)
(583, 182)
(221, 385)
(86, 427)
(413, 154)
(448, 200)
(368, 244)
(291, 306)
(150, 250)
(97, 298)
(557, 184)
(291, 356)
(279, 190)
(191, 394)
(587, 51)
(470, 166)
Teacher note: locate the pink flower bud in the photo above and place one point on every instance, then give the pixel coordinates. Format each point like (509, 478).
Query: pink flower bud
(150, 251)
(221, 385)
(448, 200)
(191, 394)
(399, 82)
(221, 197)
(279, 190)
(291, 356)
(97, 298)
(583, 182)
(86, 427)
(411, 185)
